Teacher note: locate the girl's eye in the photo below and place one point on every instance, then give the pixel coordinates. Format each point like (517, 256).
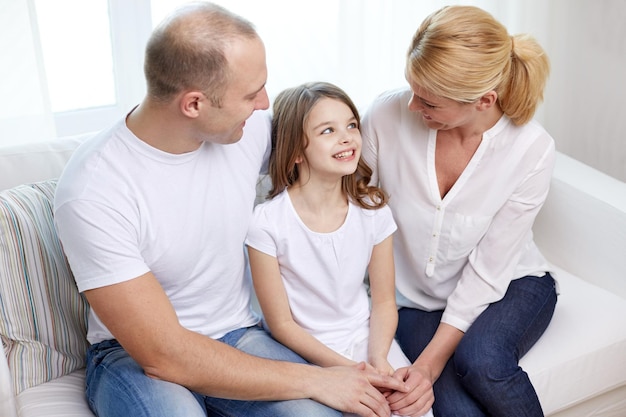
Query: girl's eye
(327, 130)
(352, 126)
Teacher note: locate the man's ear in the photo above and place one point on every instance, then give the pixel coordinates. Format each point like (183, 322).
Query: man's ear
(488, 100)
(191, 103)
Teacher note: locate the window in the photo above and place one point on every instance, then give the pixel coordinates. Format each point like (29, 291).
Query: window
(74, 66)
(76, 49)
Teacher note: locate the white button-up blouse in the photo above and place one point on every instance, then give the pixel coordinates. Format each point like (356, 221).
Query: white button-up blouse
(461, 252)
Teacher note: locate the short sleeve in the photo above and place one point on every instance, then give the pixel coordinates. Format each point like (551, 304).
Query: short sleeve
(261, 235)
(385, 224)
(100, 243)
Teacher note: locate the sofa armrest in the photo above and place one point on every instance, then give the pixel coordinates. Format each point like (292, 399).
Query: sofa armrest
(582, 226)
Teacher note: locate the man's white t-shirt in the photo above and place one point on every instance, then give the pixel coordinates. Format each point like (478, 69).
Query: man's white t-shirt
(124, 208)
(459, 252)
(323, 273)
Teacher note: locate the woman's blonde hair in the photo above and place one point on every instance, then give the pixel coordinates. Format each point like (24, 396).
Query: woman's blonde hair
(462, 52)
(289, 140)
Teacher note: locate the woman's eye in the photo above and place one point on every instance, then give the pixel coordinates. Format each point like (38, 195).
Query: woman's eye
(430, 106)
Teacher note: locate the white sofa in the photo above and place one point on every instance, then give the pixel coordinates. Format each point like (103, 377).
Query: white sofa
(578, 367)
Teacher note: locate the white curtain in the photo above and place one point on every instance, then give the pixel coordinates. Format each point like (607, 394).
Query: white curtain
(359, 45)
(24, 105)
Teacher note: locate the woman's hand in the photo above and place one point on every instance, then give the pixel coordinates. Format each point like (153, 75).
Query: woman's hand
(420, 397)
(421, 376)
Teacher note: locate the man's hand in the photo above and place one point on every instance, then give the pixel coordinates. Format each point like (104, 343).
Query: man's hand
(419, 398)
(357, 389)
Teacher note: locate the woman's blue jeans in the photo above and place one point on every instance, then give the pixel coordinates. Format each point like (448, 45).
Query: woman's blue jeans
(483, 377)
(118, 387)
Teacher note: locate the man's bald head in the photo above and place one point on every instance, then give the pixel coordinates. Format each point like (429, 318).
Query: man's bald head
(187, 51)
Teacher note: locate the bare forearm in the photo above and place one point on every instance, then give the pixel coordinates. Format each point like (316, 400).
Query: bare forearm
(439, 350)
(304, 344)
(144, 322)
(213, 368)
(222, 371)
(423, 373)
(383, 323)
(384, 313)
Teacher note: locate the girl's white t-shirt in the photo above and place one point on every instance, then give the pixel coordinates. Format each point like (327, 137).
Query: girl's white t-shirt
(323, 273)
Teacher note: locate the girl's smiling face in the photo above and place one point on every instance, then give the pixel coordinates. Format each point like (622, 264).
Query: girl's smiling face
(333, 139)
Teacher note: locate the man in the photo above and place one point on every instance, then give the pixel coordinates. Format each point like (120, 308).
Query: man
(152, 215)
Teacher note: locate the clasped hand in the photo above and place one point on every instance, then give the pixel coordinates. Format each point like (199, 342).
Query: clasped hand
(418, 397)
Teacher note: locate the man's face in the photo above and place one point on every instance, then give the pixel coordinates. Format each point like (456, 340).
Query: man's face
(244, 94)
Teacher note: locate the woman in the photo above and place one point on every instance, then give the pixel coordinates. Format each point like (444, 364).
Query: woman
(467, 170)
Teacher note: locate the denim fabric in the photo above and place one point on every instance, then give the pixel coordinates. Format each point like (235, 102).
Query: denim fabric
(258, 342)
(483, 377)
(118, 387)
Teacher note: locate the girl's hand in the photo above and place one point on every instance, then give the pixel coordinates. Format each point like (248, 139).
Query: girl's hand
(382, 366)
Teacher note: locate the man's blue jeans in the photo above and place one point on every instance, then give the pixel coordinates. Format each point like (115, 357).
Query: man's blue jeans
(118, 387)
(483, 377)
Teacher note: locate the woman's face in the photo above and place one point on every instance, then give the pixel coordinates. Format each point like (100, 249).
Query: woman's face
(438, 112)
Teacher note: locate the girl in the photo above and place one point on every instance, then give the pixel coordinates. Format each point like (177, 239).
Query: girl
(323, 228)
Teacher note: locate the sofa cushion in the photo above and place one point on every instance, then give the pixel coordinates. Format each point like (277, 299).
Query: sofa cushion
(61, 397)
(42, 315)
(581, 354)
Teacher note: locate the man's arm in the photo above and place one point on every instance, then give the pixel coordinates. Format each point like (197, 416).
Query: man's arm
(140, 316)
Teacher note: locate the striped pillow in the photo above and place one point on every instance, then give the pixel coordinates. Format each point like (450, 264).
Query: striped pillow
(42, 316)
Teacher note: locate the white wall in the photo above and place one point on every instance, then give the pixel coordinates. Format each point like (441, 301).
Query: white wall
(585, 101)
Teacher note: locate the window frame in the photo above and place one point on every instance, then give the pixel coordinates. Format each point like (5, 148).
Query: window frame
(127, 48)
